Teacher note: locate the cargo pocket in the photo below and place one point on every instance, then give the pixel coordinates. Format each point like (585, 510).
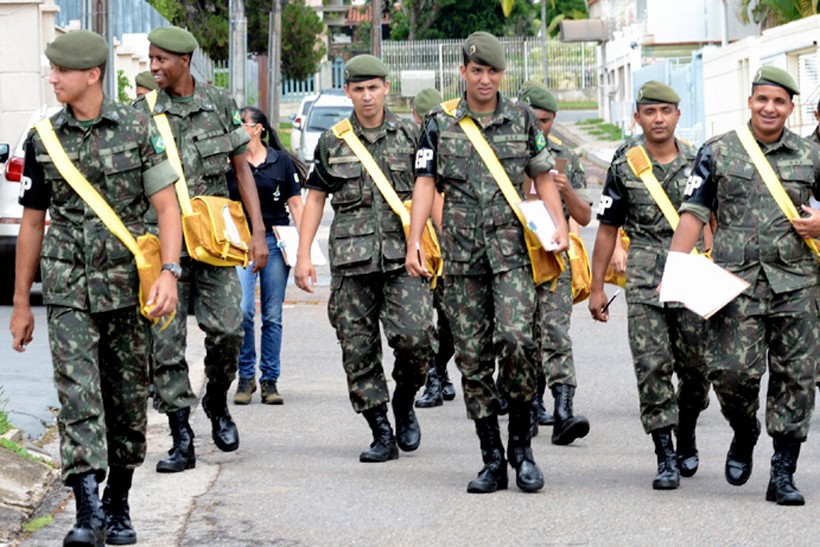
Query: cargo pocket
(213, 149)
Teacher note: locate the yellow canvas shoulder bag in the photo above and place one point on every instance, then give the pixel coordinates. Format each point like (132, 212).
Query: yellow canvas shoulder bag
(145, 248)
(580, 269)
(215, 228)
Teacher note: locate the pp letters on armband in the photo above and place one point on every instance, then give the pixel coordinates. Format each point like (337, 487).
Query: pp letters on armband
(692, 183)
(604, 204)
(424, 158)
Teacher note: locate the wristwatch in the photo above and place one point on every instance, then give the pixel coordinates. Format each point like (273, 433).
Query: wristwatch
(175, 269)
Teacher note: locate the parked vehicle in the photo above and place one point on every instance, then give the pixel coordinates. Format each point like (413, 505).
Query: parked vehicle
(299, 121)
(328, 109)
(11, 213)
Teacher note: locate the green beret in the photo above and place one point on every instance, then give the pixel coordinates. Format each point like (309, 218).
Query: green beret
(484, 49)
(146, 80)
(769, 75)
(537, 96)
(425, 100)
(653, 92)
(78, 50)
(173, 39)
(364, 67)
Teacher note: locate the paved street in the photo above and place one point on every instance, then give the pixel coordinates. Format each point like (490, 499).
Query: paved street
(296, 478)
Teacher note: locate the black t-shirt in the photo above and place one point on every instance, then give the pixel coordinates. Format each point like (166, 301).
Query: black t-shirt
(276, 182)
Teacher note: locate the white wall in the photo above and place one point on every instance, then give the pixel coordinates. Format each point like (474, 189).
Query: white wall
(728, 71)
(25, 27)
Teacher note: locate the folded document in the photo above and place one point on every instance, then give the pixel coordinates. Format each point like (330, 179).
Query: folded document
(540, 222)
(699, 284)
(288, 238)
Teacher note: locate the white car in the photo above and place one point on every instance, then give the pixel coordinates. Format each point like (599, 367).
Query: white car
(327, 110)
(11, 212)
(299, 122)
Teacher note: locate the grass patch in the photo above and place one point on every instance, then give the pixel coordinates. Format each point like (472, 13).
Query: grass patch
(590, 121)
(33, 525)
(284, 134)
(285, 125)
(578, 105)
(5, 425)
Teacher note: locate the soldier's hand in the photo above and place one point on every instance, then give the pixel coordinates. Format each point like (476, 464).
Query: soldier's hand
(618, 260)
(561, 182)
(21, 327)
(597, 303)
(415, 262)
(163, 296)
(259, 251)
(561, 238)
(305, 274)
(809, 226)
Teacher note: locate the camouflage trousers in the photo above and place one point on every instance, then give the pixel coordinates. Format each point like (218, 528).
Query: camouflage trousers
(404, 306)
(101, 374)
(667, 340)
(786, 327)
(492, 317)
(552, 330)
(444, 335)
(216, 295)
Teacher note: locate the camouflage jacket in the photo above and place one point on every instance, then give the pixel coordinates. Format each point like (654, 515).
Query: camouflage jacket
(83, 264)
(480, 232)
(753, 235)
(626, 202)
(814, 136)
(366, 235)
(208, 131)
(574, 169)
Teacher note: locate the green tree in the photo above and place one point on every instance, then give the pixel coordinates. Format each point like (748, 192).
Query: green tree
(122, 86)
(771, 13)
(460, 18)
(560, 10)
(302, 47)
(410, 19)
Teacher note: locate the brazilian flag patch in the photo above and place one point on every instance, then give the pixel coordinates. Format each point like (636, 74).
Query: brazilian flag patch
(540, 141)
(237, 119)
(158, 144)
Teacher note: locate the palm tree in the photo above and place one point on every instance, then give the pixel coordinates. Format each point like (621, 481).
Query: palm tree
(771, 13)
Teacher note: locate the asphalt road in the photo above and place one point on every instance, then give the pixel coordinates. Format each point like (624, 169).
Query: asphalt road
(296, 478)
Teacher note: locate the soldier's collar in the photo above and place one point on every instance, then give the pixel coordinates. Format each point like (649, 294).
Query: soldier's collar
(199, 101)
(108, 112)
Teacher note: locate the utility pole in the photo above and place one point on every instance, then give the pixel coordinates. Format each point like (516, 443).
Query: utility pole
(275, 62)
(544, 39)
(376, 28)
(238, 49)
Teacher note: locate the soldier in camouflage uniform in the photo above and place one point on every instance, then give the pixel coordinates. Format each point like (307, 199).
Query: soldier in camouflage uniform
(489, 294)
(664, 339)
(814, 136)
(208, 133)
(99, 341)
(439, 387)
(774, 322)
(366, 247)
(555, 302)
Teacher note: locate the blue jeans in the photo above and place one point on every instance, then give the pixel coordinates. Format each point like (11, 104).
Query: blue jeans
(273, 279)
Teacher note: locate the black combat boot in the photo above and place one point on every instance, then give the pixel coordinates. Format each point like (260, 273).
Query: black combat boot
(181, 456)
(432, 395)
(534, 418)
(448, 390)
(543, 417)
(493, 476)
(503, 401)
(688, 459)
(223, 428)
(668, 477)
(567, 427)
(784, 463)
(739, 458)
(408, 432)
(528, 476)
(115, 504)
(383, 447)
(89, 526)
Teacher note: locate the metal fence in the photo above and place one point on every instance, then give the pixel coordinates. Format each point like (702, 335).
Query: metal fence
(569, 66)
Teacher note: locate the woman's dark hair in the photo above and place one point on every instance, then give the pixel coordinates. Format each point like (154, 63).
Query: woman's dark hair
(270, 136)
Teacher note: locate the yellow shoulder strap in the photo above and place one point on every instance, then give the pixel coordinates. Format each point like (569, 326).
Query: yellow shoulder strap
(556, 140)
(88, 193)
(641, 165)
(771, 180)
(164, 128)
(344, 131)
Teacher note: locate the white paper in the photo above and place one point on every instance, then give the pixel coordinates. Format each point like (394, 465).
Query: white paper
(699, 284)
(540, 222)
(288, 238)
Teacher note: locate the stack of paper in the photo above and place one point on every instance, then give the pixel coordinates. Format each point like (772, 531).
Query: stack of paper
(540, 222)
(288, 238)
(699, 284)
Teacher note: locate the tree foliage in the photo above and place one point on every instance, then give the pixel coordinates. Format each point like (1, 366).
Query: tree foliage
(771, 13)
(437, 19)
(206, 19)
(302, 48)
